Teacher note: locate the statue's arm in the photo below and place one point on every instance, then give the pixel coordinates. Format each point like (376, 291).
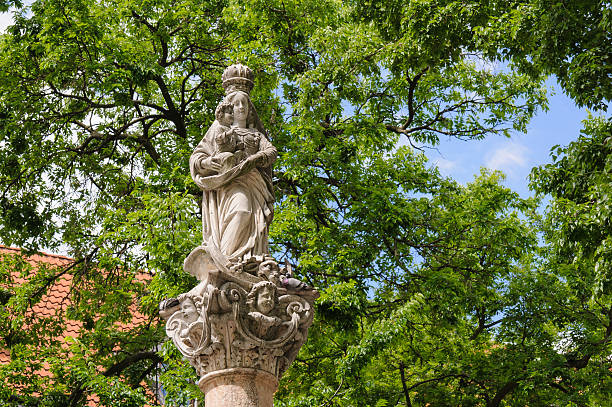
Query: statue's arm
(202, 162)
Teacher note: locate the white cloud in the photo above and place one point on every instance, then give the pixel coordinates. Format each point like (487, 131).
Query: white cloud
(6, 19)
(445, 166)
(508, 158)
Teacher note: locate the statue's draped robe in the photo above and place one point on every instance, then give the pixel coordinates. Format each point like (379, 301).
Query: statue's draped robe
(237, 205)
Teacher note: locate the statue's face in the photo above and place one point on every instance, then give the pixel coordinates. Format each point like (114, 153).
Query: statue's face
(265, 300)
(227, 117)
(241, 107)
(188, 308)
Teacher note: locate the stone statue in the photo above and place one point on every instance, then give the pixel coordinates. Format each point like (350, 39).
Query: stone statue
(245, 321)
(233, 167)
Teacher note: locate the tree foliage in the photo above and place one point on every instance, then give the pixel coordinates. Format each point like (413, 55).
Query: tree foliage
(432, 292)
(570, 39)
(576, 228)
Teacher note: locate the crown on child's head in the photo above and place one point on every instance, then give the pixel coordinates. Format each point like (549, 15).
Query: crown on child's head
(237, 77)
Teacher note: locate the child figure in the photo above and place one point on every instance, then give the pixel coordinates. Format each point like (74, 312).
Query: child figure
(229, 146)
(233, 143)
(261, 301)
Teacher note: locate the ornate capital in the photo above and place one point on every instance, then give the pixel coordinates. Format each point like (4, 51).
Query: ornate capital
(236, 319)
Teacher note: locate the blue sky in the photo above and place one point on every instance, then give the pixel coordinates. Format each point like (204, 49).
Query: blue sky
(514, 156)
(5, 19)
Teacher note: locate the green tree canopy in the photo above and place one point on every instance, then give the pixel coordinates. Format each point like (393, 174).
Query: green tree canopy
(432, 292)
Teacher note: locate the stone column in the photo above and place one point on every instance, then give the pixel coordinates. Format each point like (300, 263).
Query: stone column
(244, 387)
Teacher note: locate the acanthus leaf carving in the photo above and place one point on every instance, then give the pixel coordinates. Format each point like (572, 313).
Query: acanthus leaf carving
(241, 321)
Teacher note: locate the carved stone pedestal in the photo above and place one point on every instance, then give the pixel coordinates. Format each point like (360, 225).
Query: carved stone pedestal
(239, 387)
(240, 328)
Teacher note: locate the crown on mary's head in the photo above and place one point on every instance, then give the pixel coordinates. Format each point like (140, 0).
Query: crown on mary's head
(237, 77)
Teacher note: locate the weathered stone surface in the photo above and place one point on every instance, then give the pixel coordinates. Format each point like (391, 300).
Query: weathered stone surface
(235, 319)
(239, 387)
(244, 323)
(233, 167)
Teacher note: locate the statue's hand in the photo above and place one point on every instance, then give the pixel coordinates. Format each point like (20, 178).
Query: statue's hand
(251, 143)
(260, 160)
(215, 163)
(222, 138)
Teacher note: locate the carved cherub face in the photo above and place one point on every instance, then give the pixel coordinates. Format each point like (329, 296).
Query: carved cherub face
(265, 300)
(262, 297)
(189, 310)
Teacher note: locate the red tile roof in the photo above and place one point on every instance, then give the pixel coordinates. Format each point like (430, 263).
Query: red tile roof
(56, 300)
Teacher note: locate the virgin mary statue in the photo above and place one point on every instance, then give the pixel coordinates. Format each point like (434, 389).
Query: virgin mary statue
(233, 167)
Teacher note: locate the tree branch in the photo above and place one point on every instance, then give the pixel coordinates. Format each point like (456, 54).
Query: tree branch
(503, 392)
(77, 394)
(404, 387)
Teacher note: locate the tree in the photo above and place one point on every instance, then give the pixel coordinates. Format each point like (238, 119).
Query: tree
(429, 289)
(576, 223)
(576, 229)
(570, 39)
